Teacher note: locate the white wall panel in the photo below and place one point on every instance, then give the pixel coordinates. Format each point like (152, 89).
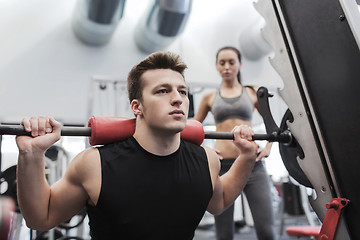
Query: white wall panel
(45, 69)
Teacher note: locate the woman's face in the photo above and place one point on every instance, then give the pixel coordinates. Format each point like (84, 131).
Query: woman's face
(228, 64)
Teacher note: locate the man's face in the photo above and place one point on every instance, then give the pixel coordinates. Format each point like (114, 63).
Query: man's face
(165, 101)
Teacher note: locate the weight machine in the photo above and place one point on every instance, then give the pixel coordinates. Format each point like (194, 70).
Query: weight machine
(316, 46)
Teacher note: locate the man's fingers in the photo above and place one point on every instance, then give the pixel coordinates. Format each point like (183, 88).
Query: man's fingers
(34, 124)
(26, 123)
(55, 125)
(42, 122)
(39, 126)
(244, 132)
(48, 127)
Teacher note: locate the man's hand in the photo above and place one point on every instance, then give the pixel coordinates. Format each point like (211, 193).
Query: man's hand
(243, 139)
(45, 131)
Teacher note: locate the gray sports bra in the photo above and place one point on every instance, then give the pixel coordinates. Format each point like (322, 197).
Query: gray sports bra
(226, 108)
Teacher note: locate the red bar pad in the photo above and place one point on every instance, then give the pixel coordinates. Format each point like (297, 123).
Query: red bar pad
(7, 206)
(332, 217)
(106, 130)
(193, 132)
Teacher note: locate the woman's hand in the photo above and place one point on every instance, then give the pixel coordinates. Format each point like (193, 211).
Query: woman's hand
(218, 152)
(263, 152)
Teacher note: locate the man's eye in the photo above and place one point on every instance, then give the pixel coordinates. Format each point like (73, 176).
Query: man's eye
(161, 91)
(183, 92)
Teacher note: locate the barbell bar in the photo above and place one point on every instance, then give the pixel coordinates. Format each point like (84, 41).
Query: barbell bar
(103, 130)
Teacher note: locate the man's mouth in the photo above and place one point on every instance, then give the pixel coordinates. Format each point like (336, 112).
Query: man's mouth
(176, 112)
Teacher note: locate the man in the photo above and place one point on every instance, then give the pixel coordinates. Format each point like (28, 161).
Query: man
(150, 186)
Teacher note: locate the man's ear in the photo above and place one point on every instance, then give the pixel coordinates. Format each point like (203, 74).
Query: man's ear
(136, 107)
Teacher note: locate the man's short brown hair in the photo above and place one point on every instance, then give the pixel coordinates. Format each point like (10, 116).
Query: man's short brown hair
(157, 60)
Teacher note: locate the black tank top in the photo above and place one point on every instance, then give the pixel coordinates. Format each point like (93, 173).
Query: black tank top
(144, 196)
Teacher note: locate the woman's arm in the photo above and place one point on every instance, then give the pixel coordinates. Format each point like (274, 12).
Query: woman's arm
(204, 107)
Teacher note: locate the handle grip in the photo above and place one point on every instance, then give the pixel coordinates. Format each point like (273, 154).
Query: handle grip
(19, 130)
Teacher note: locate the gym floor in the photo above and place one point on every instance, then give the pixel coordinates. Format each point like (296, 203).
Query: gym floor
(207, 232)
(248, 232)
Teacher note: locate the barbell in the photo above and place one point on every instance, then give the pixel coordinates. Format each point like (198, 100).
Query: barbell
(103, 130)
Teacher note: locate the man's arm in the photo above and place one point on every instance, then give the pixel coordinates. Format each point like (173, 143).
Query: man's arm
(230, 185)
(42, 206)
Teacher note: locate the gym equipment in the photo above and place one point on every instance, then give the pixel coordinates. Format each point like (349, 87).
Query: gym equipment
(316, 46)
(104, 130)
(8, 182)
(304, 231)
(8, 186)
(290, 153)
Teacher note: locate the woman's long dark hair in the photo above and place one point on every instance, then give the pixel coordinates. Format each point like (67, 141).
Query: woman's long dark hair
(237, 53)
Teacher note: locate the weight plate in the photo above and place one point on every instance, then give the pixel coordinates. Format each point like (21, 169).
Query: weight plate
(289, 154)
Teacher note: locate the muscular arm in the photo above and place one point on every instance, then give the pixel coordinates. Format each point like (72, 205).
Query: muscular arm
(230, 185)
(44, 206)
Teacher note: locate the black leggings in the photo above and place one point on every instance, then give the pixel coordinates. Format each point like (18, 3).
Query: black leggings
(258, 194)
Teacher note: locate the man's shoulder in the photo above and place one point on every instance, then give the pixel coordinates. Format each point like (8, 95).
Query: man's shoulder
(124, 143)
(190, 144)
(192, 147)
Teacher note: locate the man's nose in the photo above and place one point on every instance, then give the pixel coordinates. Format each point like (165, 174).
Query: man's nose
(176, 98)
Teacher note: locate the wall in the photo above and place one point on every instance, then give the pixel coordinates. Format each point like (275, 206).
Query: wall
(45, 69)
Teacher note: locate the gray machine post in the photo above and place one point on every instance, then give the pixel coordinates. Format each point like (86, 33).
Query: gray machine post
(316, 46)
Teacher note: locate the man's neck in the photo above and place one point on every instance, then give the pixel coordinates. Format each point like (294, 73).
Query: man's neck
(157, 142)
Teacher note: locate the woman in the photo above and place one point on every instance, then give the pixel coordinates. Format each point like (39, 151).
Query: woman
(233, 104)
